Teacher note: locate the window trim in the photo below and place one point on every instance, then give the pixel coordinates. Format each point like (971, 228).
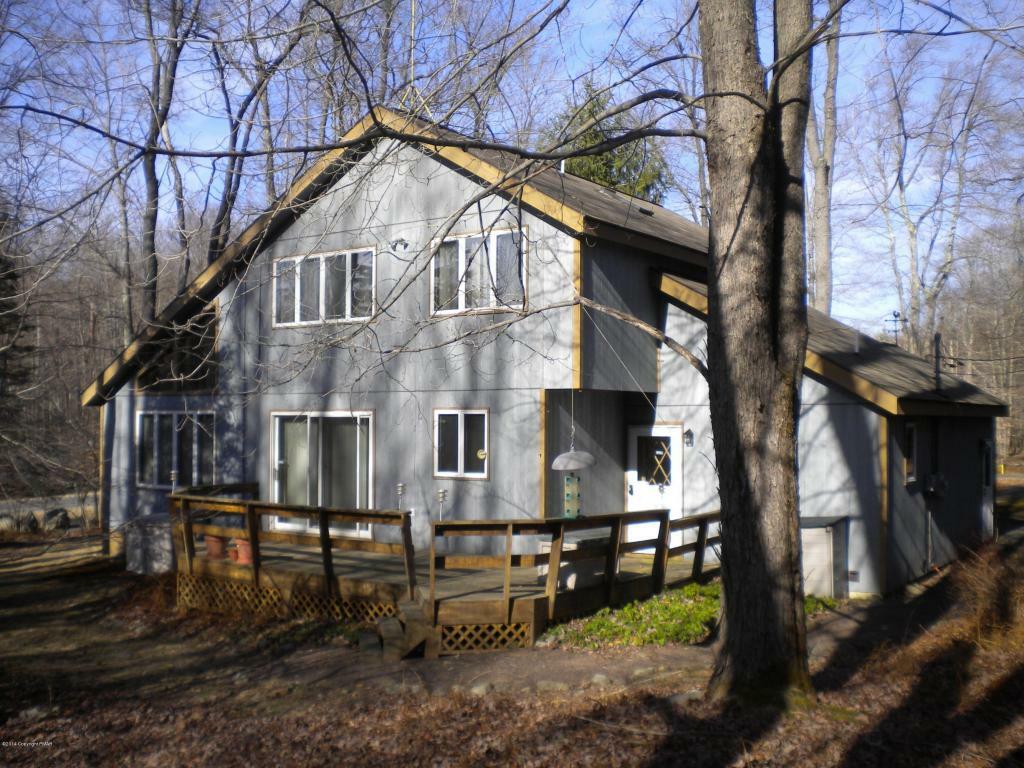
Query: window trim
(140, 482)
(461, 413)
(321, 319)
(492, 235)
(910, 464)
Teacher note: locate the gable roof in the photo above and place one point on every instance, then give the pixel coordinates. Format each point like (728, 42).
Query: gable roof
(886, 376)
(579, 206)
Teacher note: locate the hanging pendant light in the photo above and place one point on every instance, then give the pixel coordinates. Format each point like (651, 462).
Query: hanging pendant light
(572, 459)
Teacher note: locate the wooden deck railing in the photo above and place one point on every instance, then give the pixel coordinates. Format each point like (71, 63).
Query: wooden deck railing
(699, 548)
(191, 505)
(609, 555)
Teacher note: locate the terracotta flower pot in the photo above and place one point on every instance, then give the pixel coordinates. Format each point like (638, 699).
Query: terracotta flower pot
(244, 550)
(215, 547)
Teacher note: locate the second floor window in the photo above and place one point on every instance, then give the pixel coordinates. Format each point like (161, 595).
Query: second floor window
(323, 288)
(479, 272)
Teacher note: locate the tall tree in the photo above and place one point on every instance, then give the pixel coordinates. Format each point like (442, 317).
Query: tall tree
(757, 333)
(636, 168)
(165, 48)
(821, 149)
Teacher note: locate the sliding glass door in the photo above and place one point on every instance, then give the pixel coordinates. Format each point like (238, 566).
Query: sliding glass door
(324, 460)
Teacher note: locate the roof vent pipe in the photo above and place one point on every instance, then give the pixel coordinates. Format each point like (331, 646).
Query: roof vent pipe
(561, 165)
(856, 342)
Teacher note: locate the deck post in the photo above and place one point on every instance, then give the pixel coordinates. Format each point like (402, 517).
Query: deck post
(433, 568)
(611, 565)
(409, 555)
(186, 527)
(325, 552)
(506, 590)
(661, 553)
(698, 555)
(554, 568)
(252, 525)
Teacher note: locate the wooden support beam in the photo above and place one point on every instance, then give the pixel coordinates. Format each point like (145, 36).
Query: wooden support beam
(611, 564)
(698, 554)
(660, 566)
(409, 555)
(190, 539)
(252, 524)
(554, 569)
(433, 572)
(325, 553)
(506, 589)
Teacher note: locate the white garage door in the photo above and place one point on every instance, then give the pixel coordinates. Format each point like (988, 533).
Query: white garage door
(817, 559)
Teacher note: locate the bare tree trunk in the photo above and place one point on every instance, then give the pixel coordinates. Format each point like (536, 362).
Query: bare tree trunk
(164, 62)
(822, 151)
(757, 337)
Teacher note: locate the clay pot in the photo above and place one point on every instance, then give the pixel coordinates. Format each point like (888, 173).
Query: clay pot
(244, 550)
(215, 547)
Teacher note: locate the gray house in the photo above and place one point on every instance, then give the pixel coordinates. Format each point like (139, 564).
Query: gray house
(402, 330)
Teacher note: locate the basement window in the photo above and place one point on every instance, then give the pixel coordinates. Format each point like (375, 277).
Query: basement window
(478, 272)
(460, 444)
(328, 287)
(174, 449)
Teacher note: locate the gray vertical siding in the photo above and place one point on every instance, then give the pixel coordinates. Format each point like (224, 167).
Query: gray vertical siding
(600, 430)
(405, 365)
(953, 517)
(401, 368)
(838, 450)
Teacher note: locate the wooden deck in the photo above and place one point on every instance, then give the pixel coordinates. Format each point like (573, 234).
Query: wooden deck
(445, 601)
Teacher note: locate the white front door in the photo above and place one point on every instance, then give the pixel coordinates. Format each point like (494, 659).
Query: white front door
(324, 459)
(654, 477)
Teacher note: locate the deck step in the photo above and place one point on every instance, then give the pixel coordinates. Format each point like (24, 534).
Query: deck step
(392, 637)
(418, 621)
(369, 641)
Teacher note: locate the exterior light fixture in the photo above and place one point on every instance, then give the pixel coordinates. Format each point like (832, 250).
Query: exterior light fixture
(688, 438)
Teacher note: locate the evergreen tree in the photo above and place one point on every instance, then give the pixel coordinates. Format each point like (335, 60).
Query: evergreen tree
(636, 168)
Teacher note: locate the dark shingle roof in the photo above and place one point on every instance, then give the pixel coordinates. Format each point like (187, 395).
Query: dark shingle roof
(852, 359)
(593, 200)
(888, 366)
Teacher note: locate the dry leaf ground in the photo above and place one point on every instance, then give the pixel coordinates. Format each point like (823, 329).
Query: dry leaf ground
(96, 668)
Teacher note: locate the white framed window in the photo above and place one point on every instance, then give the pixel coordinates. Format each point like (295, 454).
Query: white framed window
(481, 271)
(910, 453)
(175, 449)
(461, 443)
(326, 287)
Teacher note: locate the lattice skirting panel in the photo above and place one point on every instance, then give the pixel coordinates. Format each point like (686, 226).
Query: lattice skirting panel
(460, 638)
(231, 596)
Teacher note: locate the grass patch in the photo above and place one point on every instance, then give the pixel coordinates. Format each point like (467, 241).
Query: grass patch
(686, 615)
